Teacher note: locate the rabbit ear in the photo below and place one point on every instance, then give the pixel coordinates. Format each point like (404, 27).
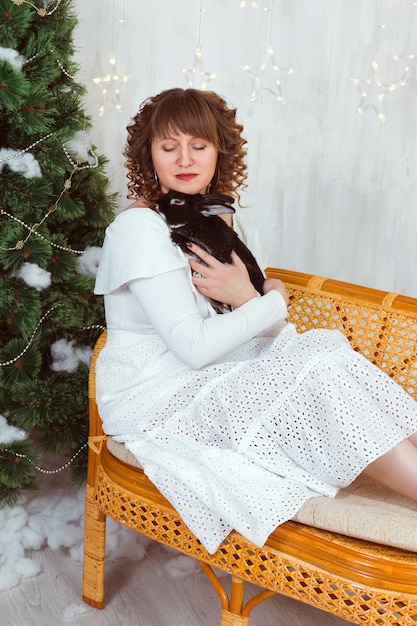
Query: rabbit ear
(216, 209)
(216, 203)
(216, 198)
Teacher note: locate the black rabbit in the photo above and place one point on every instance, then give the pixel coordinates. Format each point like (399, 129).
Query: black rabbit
(195, 218)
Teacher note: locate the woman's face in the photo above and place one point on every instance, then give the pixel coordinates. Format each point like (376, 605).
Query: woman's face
(184, 163)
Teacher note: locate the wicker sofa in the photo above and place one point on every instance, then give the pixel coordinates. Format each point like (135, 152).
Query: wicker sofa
(354, 556)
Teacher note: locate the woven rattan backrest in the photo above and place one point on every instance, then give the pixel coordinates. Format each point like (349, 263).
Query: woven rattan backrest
(380, 325)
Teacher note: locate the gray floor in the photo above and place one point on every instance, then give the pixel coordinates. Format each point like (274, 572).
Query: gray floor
(139, 593)
(161, 589)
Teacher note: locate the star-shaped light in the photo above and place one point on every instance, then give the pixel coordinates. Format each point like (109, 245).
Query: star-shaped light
(106, 84)
(277, 72)
(253, 4)
(405, 61)
(373, 91)
(245, 3)
(198, 69)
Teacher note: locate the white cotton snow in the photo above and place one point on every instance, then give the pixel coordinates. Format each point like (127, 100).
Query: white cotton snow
(67, 357)
(182, 566)
(80, 147)
(9, 433)
(72, 610)
(14, 565)
(88, 262)
(12, 57)
(21, 163)
(34, 276)
(54, 517)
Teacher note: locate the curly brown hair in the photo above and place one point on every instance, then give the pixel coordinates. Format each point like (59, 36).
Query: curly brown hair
(198, 113)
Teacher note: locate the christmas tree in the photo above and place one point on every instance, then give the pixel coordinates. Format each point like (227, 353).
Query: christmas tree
(54, 207)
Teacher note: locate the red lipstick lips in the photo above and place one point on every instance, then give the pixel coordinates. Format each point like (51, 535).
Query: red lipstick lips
(185, 176)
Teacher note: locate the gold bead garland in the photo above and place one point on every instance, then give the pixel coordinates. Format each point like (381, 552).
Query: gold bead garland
(38, 325)
(94, 327)
(77, 167)
(41, 469)
(67, 185)
(42, 12)
(62, 68)
(33, 230)
(31, 338)
(15, 155)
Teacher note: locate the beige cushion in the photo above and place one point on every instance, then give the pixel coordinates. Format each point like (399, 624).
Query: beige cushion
(365, 510)
(122, 453)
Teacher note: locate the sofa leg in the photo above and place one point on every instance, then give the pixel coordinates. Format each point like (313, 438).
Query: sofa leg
(238, 613)
(232, 616)
(231, 619)
(94, 551)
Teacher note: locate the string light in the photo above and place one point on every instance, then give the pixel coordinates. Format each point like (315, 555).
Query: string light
(365, 86)
(110, 84)
(198, 66)
(258, 76)
(405, 62)
(252, 3)
(245, 3)
(258, 73)
(111, 79)
(372, 89)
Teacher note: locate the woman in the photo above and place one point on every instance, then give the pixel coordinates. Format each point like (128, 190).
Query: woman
(236, 418)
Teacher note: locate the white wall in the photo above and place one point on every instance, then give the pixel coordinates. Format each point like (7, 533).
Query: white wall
(332, 191)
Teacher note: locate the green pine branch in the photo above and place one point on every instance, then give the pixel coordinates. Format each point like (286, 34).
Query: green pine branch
(49, 214)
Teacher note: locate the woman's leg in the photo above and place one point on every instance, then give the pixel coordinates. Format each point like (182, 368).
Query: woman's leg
(413, 439)
(397, 469)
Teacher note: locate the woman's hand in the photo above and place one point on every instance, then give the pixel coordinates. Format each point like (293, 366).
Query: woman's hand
(278, 285)
(225, 282)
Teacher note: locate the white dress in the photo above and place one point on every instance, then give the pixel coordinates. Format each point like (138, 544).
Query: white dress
(237, 418)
